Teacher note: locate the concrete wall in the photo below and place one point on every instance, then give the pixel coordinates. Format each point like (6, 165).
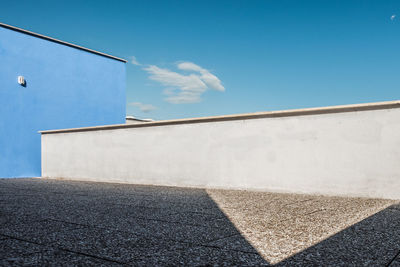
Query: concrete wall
(343, 152)
(66, 87)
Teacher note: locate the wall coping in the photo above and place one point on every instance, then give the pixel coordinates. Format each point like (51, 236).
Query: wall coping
(245, 116)
(59, 41)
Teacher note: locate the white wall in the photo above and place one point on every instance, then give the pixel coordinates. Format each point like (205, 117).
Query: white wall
(351, 153)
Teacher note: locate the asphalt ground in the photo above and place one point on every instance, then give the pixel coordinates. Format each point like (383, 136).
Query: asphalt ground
(47, 222)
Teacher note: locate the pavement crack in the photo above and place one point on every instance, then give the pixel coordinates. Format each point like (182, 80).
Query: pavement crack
(92, 256)
(73, 223)
(394, 258)
(62, 248)
(296, 202)
(302, 215)
(220, 238)
(22, 239)
(311, 212)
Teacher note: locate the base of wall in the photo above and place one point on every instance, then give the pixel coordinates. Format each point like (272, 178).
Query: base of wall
(309, 191)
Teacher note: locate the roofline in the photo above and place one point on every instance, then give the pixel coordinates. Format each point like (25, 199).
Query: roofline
(246, 116)
(60, 42)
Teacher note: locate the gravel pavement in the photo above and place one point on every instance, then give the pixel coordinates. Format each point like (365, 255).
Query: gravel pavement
(46, 222)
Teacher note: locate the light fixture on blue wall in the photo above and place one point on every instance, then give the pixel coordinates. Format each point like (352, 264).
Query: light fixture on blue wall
(21, 80)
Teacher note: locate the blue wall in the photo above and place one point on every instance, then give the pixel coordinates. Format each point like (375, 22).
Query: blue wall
(66, 88)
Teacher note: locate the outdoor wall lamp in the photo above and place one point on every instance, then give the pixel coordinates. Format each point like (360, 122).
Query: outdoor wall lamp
(21, 80)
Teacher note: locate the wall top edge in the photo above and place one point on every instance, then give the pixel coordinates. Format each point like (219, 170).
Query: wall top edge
(245, 116)
(59, 42)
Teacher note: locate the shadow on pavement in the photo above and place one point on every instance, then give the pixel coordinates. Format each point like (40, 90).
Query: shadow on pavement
(64, 223)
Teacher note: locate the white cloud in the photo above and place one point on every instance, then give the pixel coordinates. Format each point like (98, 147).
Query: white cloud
(134, 61)
(392, 17)
(143, 107)
(185, 88)
(211, 80)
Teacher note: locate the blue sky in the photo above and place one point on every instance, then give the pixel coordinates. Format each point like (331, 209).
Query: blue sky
(203, 58)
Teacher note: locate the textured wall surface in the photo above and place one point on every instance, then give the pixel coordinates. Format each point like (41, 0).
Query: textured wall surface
(352, 153)
(66, 87)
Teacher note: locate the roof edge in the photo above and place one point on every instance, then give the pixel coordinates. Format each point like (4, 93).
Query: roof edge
(245, 116)
(131, 118)
(60, 42)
